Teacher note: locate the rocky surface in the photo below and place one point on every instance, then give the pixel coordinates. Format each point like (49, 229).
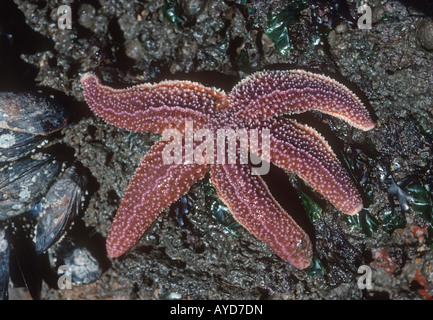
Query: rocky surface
(217, 43)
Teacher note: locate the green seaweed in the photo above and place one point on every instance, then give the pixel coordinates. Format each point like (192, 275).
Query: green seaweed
(244, 61)
(222, 215)
(173, 13)
(249, 12)
(422, 201)
(220, 212)
(313, 210)
(365, 221)
(277, 26)
(424, 131)
(393, 219)
(316, 268)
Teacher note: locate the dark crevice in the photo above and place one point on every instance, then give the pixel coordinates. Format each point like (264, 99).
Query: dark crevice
(287, 196)
(17, 38)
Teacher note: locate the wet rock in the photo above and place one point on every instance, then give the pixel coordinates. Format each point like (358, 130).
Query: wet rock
(343, 259)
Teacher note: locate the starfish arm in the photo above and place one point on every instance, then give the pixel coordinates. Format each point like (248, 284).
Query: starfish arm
(271, 93)
(252, 205)
(153, 188)
(303, 150)
(151, 107)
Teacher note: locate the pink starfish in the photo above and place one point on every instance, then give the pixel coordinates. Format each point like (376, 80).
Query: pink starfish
(255, 103)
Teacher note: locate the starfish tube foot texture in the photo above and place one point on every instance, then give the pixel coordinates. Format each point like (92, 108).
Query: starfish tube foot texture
(253, 206)
(256, 103)
(269, 93)
(153, 188)
(301, 149)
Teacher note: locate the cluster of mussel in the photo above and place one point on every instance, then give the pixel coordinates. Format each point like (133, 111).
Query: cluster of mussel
(41, 196)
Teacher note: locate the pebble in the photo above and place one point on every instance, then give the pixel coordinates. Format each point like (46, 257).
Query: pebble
(86, 15)
(134, 50)
(425, 33)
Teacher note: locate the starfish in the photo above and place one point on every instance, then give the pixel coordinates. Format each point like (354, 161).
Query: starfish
(258, 102)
